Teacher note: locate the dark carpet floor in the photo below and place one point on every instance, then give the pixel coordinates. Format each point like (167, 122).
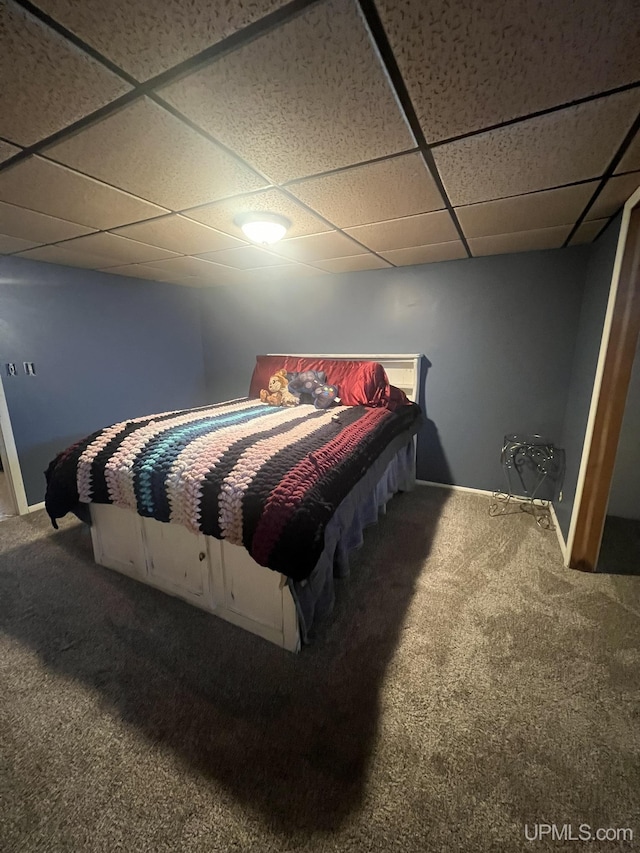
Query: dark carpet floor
(467, 688)
(620, 550)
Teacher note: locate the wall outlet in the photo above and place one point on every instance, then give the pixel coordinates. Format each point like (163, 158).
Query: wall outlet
(29, 368)
(11, 369)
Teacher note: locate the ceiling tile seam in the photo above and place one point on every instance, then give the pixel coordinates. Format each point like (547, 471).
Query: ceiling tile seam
(233, 42)
(392, 69)
(331, 172)
(195, 127)
(531, 192)
(70, 36)
(617, 157)
(548, 111)
(604, 228)
(72, 129)
(230, 44)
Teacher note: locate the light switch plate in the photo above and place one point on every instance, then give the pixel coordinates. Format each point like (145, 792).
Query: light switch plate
(11, 369)
(29, 368)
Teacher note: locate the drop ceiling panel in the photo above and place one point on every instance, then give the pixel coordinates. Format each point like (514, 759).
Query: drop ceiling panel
(374, 192)
(146, 37)
(631, 160)
(29, 225)
(139, 271)
(587, 232)
(448, 251)
(179, 235)
(179, 167)
(305, 98)
(471, 64)
(7, 151)
(184, 267)
(244, 258)
(9, 244)
(317, 247)
(119, 250)
(520, 241)
(221, 214)
(38, 66)
(615, 193)
(526, 212)
(67, 257)
(354, 263)
(559, 148)
(420, 230)
(40, 185)
(292, 272)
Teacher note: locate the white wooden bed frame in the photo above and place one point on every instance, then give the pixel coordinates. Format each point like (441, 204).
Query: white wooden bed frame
(210, 573)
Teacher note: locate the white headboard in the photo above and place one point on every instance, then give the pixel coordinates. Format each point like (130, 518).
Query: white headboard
(403, 370)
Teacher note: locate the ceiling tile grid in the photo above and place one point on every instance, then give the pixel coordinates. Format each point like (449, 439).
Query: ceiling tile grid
(525, 118)
(47, 82)
(307, 97)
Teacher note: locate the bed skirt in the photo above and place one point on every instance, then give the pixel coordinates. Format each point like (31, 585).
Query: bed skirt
(393, 472)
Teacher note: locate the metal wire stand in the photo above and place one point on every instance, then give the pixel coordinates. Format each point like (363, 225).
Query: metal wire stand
(531, 466)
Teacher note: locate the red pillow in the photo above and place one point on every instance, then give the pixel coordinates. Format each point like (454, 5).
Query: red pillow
(360, 383)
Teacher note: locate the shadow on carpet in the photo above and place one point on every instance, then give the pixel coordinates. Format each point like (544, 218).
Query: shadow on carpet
(288, 735)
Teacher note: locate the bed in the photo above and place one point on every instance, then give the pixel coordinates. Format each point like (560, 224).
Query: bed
(263, 503)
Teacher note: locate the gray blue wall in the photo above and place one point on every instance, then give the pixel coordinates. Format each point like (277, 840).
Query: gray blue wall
(499, 334)
(585, 360)
(105, 348)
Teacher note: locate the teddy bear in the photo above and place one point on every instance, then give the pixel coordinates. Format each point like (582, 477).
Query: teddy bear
(278, 393)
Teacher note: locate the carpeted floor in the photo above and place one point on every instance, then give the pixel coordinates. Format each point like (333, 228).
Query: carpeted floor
(467, 686)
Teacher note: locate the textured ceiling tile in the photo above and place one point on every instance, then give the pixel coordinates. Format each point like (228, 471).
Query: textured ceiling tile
(221, 214)
(378, 191)
(38, 66)
(38, 227)
(420, 230)
(146, 37)
(179, 235)
(7, 151)
(615, 193)
(449, 251)
(118, 249)
(474, 63)
(520, 241)
(39, 185)
(67, 257)
(139, 271)
(244, 258)
(353, 263)
(587, 232)
(566, 146)
(631, 159)
(179, 167)
(185, 267)
(9, 244)
(305, 98)
(292, 272)
(525, 212)
(317, 247)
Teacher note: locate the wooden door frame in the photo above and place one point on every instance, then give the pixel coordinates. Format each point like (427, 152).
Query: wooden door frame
(10, 461)
(613, 373)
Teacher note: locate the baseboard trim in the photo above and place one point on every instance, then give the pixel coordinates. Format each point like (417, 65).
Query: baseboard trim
(35, 507)
(561, 542)
(485, 493)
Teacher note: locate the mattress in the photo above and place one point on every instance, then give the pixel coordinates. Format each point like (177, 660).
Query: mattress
(269, 479)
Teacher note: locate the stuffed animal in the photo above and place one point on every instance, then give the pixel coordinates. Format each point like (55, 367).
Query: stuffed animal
(311, 385)
(278, 393)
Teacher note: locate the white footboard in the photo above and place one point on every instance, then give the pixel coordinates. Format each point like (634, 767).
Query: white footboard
(214, 575)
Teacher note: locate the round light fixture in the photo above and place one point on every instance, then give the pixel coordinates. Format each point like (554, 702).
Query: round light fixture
(263, 228)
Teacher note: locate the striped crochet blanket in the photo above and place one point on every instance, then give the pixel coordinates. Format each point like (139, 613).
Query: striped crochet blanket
(263, 477)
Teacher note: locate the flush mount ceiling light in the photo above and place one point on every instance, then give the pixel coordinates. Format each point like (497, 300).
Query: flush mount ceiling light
(263, 228)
